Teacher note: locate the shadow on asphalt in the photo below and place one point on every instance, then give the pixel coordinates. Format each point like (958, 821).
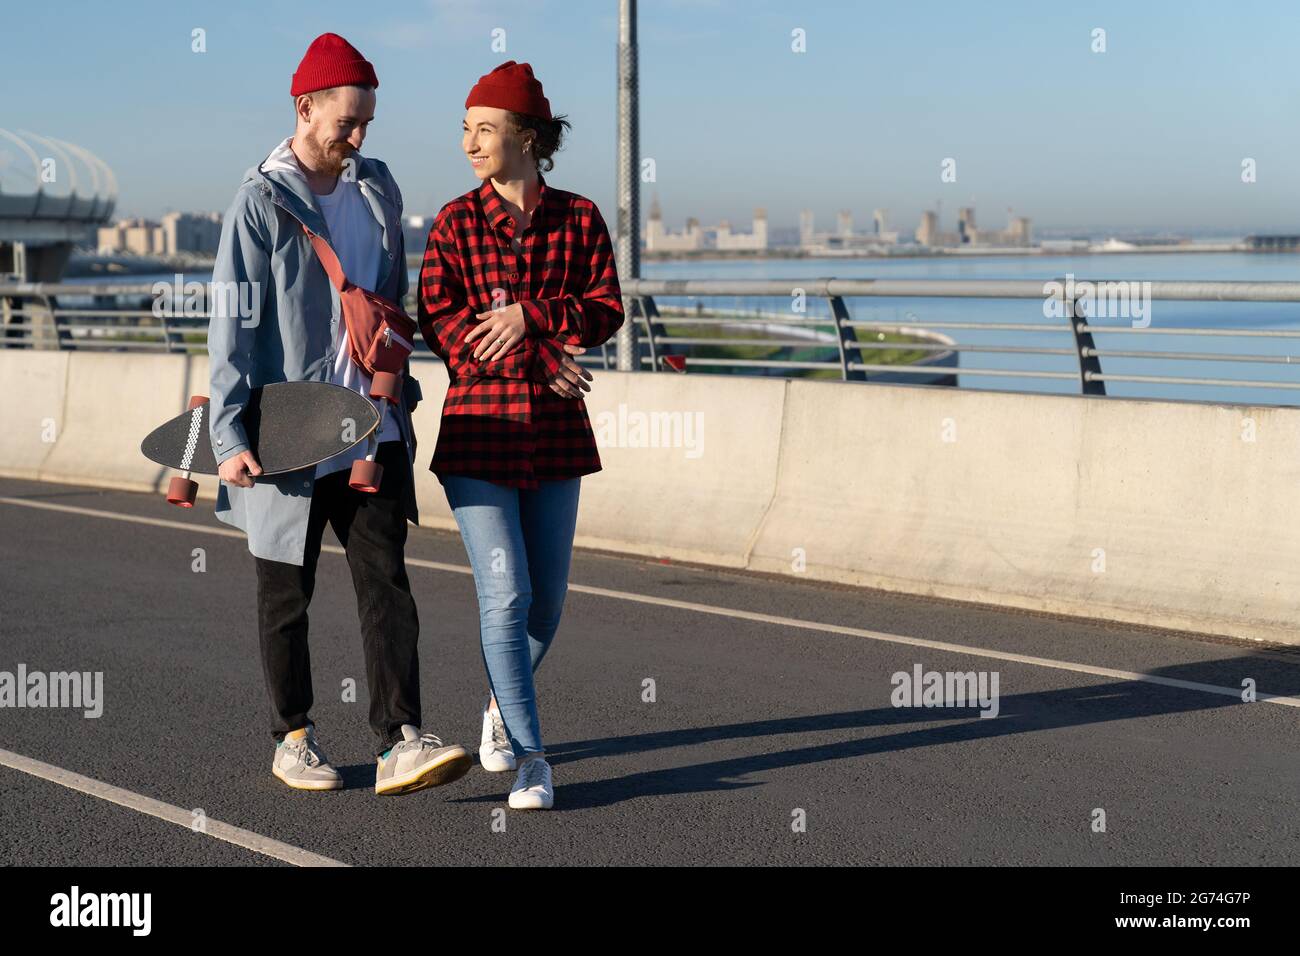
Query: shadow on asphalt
(1018, 714)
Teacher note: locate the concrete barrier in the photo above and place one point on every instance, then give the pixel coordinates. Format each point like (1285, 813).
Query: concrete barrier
(1168, 514)
(33, 391)
(1175, 515)
(80, 416)
(690, 464)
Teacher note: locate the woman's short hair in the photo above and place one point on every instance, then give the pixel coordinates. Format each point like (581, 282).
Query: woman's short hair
(548, 137)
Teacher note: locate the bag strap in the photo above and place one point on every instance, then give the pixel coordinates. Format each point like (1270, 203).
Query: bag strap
(328, 259)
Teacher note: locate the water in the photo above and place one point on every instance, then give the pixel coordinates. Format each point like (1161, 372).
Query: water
(1252, 267)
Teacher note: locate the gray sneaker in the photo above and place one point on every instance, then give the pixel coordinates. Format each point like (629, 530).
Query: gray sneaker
(303, 765)
(419, 761)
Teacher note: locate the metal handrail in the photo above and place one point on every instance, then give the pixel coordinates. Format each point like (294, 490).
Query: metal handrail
(30, 317)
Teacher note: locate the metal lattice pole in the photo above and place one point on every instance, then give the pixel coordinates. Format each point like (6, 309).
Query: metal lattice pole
(627, 235)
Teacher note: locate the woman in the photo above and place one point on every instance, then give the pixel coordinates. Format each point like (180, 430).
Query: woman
(518, 277)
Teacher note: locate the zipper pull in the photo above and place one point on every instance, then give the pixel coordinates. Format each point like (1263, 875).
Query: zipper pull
(388, 338)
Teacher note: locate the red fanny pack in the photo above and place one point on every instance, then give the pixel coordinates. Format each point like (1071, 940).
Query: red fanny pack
(380, 335)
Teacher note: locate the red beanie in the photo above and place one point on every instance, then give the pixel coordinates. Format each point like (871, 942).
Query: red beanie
(511, 86)
(331, 61)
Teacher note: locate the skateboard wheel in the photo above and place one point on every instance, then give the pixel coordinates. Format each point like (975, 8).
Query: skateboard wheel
(196, 401)
(181, 492)
(675, 362)
(386, 385)
(366, 476)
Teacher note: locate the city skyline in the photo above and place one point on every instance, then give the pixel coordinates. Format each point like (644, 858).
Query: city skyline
(879, 107)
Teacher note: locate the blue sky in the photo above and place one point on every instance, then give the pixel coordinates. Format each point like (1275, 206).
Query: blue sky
(1150, 134)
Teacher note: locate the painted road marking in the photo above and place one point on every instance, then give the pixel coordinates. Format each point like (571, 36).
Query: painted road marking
(733, 613)
(165, 811)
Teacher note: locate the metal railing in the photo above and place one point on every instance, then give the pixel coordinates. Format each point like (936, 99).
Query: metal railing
(31, 317)
(1075, 326)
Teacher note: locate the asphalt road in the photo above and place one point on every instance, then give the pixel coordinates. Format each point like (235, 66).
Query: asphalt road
(754, 719)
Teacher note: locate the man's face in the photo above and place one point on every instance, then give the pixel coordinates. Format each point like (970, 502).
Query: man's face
(334, 124)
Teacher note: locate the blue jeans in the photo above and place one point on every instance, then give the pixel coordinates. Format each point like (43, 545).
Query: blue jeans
(519, 544)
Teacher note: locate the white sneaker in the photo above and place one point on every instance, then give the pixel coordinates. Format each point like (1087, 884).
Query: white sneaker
(303, 765)
(494, 750)
(533, 789)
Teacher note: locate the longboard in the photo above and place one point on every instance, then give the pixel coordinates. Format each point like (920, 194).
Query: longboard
(290, 425)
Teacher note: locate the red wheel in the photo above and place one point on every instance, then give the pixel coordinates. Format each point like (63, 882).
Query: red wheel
(366, 476)
(196, 401)
(181, 492)
(675, 362)
(386, 385)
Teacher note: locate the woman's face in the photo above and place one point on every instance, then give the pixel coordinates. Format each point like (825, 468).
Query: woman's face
(490, 142)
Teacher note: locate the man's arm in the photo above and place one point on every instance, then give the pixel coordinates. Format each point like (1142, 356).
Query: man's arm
(411, 391)
(241, 274)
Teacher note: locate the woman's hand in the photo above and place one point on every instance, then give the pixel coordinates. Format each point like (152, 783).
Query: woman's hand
(571, 379)
(500, 331)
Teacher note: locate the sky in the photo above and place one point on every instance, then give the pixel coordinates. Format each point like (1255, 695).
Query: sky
(1149, 135)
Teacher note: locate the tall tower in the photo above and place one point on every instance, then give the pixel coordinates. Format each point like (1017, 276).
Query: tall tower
(1019, 231)
(966, 224)
(806, 234)
(654, 227)
(927, 232)
(845, 224)
(881, 219)
(760, 228)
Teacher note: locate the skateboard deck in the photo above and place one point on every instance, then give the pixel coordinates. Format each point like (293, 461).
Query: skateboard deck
(290, 425)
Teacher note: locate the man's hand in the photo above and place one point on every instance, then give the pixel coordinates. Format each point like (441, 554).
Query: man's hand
(571, 379)
(240, 469)
(501, 330)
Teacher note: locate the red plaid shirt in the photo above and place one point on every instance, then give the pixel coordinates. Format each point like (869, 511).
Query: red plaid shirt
(500, 421)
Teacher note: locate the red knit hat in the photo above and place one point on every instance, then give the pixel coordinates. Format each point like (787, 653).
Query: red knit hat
(331, 61)
(511, 86)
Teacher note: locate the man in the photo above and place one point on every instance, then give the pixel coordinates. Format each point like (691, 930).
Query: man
(317, 179)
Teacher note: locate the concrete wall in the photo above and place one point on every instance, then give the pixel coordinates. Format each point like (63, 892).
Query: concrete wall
(1169, 514)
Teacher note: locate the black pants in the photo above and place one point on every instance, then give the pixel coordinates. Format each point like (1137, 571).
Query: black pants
(372, 530)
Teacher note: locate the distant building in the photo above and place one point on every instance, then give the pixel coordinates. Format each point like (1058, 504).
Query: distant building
(1016, 235)
(659, 239)
(806, 234)
(844, 239)
(196, 233)
(1019, 232)
(927, 233)
(724, 238)
(967, 231)
(142, 237)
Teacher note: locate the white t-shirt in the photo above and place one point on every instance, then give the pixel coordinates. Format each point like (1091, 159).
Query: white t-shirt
(357, 240)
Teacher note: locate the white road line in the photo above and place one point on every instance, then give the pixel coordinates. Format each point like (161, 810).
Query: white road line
(738, 614)
(165, 811)
(134, 519)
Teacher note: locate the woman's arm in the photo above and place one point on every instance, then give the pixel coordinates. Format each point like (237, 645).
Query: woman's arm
(445, 317)
(590, 318)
